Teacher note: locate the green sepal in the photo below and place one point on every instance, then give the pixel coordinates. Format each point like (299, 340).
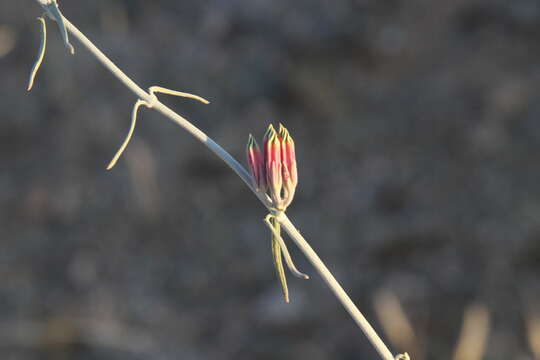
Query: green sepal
(278, 263)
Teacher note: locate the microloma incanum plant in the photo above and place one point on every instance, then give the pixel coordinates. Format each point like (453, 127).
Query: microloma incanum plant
(275, 176)
(277, 194)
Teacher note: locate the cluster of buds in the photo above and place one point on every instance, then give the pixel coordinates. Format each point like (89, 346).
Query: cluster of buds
(273, 170)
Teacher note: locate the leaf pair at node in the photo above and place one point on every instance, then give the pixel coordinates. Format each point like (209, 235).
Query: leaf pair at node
(279, 250)
(152, 91)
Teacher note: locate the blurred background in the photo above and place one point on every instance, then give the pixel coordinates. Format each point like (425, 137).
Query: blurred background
(417, 132)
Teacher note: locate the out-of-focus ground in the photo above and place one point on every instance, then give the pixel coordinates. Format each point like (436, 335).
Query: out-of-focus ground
(417, 126)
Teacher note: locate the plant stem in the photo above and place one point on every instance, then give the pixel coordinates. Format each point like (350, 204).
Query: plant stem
(288, 226)
(165, 110)
(336, 288)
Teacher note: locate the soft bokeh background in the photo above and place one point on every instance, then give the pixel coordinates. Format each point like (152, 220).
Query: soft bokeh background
(418, 136)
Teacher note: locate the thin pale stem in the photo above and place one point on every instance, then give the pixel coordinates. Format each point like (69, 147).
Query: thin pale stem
(331, 281)
(165, 110)
(368, 330)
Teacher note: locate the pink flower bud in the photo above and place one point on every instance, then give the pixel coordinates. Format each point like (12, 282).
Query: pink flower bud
(288, 161)
(273, 165)
(256, 164)
(274, 169)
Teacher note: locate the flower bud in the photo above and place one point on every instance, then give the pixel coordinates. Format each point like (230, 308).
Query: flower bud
(273, 165)
(288, 161)
(256, 164)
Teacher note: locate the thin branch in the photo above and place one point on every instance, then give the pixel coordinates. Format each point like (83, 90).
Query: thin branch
(336, 288)
(163, 109)
(295, 235)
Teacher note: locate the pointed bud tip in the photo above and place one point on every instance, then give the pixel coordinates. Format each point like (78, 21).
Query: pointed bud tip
(283, 132)
(252, 143)
(270, 133)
